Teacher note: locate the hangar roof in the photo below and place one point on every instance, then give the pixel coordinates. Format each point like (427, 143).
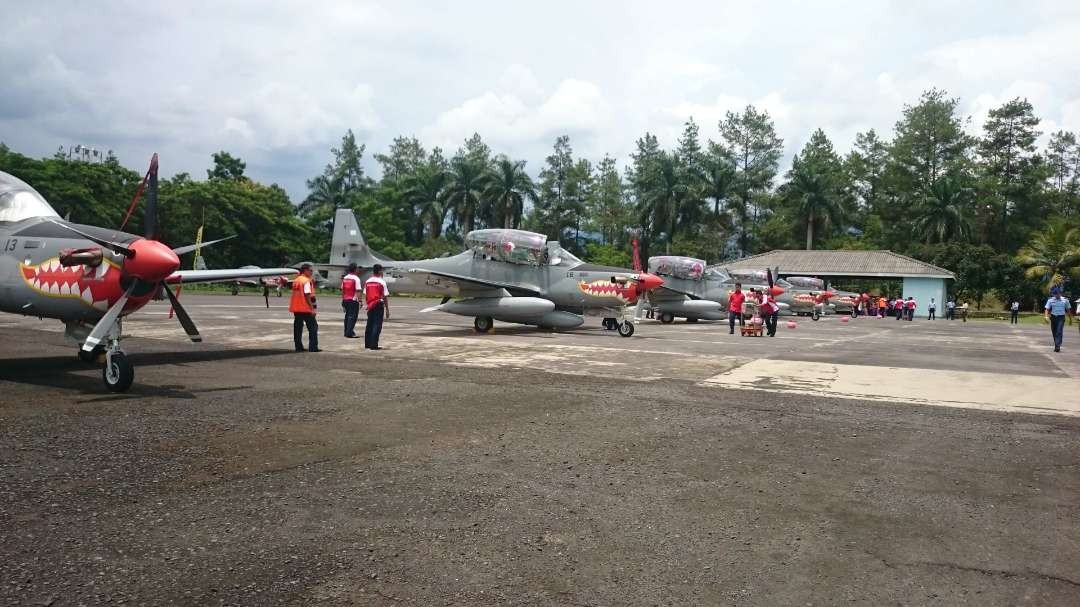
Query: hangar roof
(884, 264)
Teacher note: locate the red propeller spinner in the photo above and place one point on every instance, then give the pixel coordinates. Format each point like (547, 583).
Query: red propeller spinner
(152, 261)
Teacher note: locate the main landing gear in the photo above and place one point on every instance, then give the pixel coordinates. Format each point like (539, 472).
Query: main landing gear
(625, 328)
(667, 318)
(483, 324)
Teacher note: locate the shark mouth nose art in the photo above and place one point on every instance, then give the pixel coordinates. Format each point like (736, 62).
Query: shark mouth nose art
(94, 286)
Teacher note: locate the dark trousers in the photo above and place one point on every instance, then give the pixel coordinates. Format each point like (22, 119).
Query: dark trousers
(352, 313)
(299, 320)
(770, 323)
(1057, 329)
(911, 314)
(731, 316)
(374, 325)
(899, 313)
(931, 317)
(950, 314)
(1015, 317)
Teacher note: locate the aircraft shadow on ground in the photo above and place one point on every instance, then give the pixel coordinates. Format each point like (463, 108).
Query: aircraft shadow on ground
(69, 373)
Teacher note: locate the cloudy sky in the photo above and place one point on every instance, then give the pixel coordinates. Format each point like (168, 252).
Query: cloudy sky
(277, 83)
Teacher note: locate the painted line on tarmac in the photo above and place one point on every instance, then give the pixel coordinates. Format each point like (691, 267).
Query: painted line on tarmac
(962, 389)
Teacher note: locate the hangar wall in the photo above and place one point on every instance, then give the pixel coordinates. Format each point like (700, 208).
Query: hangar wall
(922, 289)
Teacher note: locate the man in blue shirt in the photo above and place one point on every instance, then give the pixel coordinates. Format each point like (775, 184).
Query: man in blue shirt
(1055, 310)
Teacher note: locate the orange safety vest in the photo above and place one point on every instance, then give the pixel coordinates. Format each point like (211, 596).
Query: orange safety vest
(300, 302)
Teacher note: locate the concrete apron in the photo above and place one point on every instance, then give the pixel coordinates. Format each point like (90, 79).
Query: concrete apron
(965, 389)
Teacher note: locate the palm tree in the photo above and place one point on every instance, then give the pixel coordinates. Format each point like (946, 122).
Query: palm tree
(1053, 253)
(941, 216)
(817, 199)
(717, 176)
(423, 189)
(467, 180)
(508, 186)
(664, 200)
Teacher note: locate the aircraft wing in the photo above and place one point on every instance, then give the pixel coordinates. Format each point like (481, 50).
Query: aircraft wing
(187, 276)
(470, 286)
(666, 293)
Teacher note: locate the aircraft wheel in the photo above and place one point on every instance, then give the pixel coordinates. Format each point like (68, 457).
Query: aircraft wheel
(118, 373)
(816, 316)
(626, 329)
(91, 356)
(235, 290)
(483, 324)
(667, 318)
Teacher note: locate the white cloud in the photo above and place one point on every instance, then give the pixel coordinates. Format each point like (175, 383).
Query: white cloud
(278, 83)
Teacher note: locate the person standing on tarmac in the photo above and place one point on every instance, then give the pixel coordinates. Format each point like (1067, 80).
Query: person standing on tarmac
(350, 300)
(376, 297)
(771, 311)
(932, 308)
(1054, 311)
(1014, 312)
(735, 302)
(303, 307)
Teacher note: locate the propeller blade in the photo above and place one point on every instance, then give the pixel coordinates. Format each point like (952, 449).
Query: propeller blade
(189, 248)
(101, 329)
(117, 248)
(150, 216)
(182, 315)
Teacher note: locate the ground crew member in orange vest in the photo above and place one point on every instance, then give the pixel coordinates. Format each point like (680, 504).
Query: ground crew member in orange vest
(304, 309)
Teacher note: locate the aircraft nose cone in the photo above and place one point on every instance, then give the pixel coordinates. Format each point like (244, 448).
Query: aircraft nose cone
(649, 281)
(776, 291)
(153, 261)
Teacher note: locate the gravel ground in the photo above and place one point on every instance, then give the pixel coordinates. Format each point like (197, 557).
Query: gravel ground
(258, 476)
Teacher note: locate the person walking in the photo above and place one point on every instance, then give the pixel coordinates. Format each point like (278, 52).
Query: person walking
(931, 308)
(909, 305)
(898, 307)
(376, 298)
(964, 311)
(303, 308)
(350, 300)
(1055, 310)
(771, 311)
(950, 309)
(1014, 313)
(735, 302)
(266, 293)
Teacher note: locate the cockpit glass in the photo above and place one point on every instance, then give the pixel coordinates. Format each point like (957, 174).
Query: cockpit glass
(19, 201)
(560, 256)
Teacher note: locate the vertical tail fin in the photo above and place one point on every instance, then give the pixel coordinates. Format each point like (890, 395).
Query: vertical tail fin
(348, 246)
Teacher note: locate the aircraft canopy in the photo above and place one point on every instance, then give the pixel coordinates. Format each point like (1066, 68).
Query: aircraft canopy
(806, 282)
(513, 246)
(19, 201)
(687, 268)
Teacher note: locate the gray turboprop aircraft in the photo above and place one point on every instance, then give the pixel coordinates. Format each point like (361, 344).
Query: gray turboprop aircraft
(693, 291)
(508, 275)
(89, 277)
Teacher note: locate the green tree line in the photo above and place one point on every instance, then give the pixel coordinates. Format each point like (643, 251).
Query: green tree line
(994, 208)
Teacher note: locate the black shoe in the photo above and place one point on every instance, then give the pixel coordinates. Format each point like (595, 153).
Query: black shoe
(1057, 349)
(376, 348)
(301, 350)
(314, 350)
(353, 336)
